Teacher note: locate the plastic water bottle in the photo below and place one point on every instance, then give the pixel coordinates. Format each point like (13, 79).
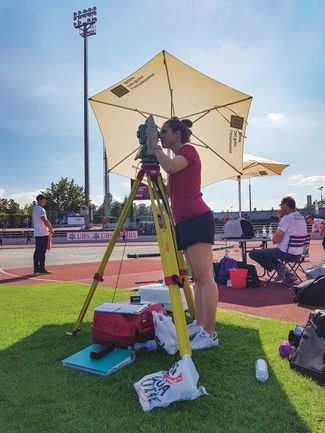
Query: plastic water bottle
(298, 330)
(270, 232)
(263, 232)
(261, 371)
(149, 345)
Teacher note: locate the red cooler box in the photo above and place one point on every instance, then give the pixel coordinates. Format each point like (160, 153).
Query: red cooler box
(113, 323)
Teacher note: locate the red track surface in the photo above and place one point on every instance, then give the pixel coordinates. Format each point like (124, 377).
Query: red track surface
(274, 301)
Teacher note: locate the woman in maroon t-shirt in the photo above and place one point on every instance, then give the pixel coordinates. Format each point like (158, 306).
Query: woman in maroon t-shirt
(194, 223)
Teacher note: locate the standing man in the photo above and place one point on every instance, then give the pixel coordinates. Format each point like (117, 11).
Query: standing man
(42, 228)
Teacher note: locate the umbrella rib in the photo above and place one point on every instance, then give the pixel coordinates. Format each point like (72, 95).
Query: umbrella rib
(216, 153)
(267, 168)
(122, 160)
(143, 113)
(216, 107)
(172, 108)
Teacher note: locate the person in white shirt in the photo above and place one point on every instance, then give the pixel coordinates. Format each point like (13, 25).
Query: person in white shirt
(318, 226)
(42, 228)
(292, 223)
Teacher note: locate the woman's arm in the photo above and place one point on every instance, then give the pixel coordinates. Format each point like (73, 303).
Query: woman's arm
(170, 165)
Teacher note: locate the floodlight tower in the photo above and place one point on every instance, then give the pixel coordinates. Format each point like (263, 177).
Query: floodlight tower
(85, 22)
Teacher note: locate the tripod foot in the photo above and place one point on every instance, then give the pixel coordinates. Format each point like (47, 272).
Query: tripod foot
(73, 332)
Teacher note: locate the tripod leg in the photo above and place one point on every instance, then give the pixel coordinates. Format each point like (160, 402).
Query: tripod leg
(99, 274)
(170, 265)
(180, 256)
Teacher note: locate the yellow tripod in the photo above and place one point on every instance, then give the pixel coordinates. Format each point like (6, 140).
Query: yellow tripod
(174, 266)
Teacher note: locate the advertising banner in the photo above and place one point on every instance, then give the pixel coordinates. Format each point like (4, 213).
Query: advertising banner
(98, 236)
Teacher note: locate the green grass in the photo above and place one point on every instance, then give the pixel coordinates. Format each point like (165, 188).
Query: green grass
(38, 395)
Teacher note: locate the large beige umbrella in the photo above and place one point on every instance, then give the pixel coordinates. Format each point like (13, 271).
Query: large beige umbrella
(166, 87)
(255, 166)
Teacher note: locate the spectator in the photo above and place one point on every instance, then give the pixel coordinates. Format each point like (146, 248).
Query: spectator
(292, 223)
(28, 237)
(42, 228)
(318, 226)
(124, 234)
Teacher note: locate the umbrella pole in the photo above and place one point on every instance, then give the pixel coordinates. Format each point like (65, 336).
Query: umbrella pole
(250, 195)
(239, 195)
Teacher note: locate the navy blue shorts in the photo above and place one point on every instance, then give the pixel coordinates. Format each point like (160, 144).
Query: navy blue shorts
(199, 229)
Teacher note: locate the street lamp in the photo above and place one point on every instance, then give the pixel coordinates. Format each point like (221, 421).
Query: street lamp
(106, 182)
(85, 22)
(321, 195)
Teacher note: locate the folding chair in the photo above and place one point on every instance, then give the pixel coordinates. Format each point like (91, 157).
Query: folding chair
(296, 266)
(293, 265)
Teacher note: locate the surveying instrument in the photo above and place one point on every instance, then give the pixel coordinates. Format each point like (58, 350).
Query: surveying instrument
(173, 261)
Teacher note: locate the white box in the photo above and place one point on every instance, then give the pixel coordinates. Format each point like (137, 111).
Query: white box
(159, 293)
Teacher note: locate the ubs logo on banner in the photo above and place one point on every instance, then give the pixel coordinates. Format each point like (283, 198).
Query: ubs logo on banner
(235, 136)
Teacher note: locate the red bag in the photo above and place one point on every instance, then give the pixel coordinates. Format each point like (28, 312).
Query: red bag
(125, 329)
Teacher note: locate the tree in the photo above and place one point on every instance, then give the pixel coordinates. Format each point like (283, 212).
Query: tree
(142, 210)
(10, 213)
(100, 212)
(65, 196)
(9, 206)
(116, 208)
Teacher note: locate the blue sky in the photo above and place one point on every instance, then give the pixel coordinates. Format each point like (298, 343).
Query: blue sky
(272, 50)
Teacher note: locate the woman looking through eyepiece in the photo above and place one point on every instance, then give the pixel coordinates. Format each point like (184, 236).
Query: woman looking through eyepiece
(194, 223)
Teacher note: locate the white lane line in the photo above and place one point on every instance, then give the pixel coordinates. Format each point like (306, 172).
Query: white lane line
(77, 280)
(34, 278)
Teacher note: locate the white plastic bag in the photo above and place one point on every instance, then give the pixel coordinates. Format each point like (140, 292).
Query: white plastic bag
(162, 388)
(165, 332)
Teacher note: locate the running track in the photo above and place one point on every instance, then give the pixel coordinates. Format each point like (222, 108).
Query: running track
(274, 301)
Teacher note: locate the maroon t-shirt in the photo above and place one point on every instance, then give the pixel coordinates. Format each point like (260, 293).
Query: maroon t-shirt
(185, 187)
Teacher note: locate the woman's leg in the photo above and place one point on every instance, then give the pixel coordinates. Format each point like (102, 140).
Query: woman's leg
(201, 258)
(197, 294)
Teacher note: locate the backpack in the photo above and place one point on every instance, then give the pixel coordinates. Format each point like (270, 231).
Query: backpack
(315, 271)
(308, 357)
(221, 270)
(239, 228)
(252, 277)
(311, 292)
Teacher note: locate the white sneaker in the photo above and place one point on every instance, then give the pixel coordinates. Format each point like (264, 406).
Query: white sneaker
(193, 329)
(203, 340)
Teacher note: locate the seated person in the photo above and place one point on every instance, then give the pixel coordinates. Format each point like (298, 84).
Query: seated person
(292, 223)
(318, 225)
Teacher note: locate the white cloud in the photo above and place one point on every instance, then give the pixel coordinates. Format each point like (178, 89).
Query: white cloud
(299, 179)
(279, 120)
(97, 200)
(275, 117)
(23, 198)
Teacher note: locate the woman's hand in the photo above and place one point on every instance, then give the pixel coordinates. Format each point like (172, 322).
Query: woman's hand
(152, 140)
